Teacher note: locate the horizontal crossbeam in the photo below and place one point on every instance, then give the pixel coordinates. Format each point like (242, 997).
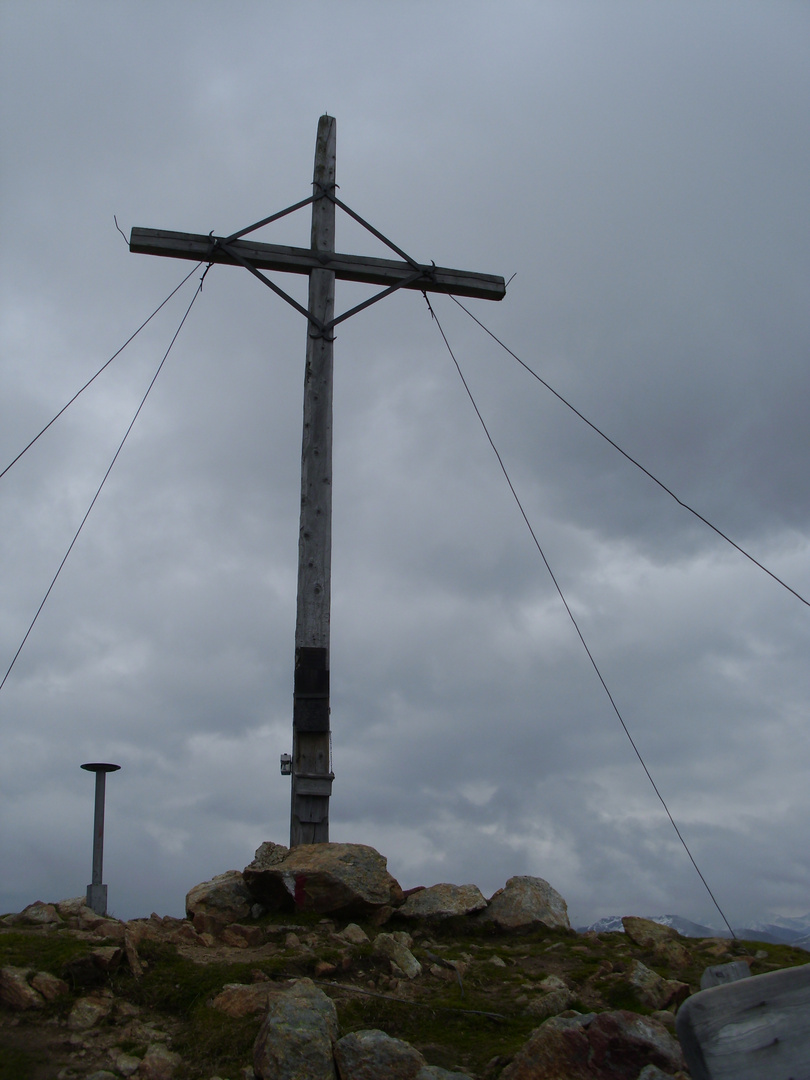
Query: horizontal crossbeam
(294, 260)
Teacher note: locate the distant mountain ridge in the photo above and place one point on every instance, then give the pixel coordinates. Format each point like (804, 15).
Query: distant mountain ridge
(783, 930)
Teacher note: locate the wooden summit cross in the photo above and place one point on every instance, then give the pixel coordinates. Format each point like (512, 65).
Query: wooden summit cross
(311, 758)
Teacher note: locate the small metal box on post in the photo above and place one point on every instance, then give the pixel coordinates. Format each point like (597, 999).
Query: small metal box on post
(96, 892)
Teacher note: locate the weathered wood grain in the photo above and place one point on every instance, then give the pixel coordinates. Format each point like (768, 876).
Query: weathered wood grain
(199, 248)
(309, 817)
(752, 1029)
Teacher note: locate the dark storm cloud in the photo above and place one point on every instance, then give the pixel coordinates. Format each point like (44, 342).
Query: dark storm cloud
(643, 171)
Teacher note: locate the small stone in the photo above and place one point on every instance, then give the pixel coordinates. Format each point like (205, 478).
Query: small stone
(551, 1003)
(387, 947)
(158, 1063)
(107, 958)
(354, 934)
(89, 1011)
(127, 1064)
(15, 991)
(252, 936)
(49, 986)
(496, 961)
(381, 916)
(242, 999)
(234, 940)
(653, 990)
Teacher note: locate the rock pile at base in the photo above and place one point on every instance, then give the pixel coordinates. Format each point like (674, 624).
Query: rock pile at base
(398, 953)
(336, 879)
(352, 881)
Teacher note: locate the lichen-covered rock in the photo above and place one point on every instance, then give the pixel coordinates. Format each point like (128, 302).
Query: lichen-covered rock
(297, 1038)
(107, 958)
(16, 991)
(242, 999)
(526, 903)
(224, 899)
(443, 902)
(353, 935)
(373, 1055)
(390, 948)
(158, 1063)
(648, 934)
(88, 1011)
(610, 1046)
(342, 879)
(556, 998)
(37, 914)
(653, 990)
(49, 986)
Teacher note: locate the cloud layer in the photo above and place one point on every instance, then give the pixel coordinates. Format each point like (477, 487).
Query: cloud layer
(643, 173)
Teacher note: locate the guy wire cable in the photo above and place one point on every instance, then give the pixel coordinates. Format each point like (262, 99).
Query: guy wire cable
(102, 368)
(572, 617)
(109, 469)
(631, 459)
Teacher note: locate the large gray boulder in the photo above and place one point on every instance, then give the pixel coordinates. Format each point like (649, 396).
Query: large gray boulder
(341, 879)
(443, 902)
(373, 1055)
(297, 1038)
(526, 903)
(216, 903)
(608, 1046)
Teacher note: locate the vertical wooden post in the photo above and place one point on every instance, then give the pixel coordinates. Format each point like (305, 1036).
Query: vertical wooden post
(311, 765)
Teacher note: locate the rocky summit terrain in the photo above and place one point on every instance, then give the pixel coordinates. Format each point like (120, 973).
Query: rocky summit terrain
(312, 964)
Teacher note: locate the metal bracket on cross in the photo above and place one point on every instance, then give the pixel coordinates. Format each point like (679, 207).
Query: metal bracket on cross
(255, 257)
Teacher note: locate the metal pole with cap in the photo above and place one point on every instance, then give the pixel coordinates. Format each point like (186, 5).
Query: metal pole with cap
(96, 892)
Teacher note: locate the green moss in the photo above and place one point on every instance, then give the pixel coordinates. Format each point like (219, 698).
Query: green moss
(214, 1043)
(43, 952)
(173, 984)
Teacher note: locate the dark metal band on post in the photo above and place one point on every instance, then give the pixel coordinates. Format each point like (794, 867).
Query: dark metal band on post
(311, 693)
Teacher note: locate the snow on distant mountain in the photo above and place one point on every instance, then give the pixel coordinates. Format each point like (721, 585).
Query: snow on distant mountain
(781, 930)
(612, 924)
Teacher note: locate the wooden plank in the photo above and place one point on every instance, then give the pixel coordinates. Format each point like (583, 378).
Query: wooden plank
(294, 260)
(752, 1029)
(309, 817)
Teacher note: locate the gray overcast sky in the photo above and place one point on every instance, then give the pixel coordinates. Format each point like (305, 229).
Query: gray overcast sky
(643, 170)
